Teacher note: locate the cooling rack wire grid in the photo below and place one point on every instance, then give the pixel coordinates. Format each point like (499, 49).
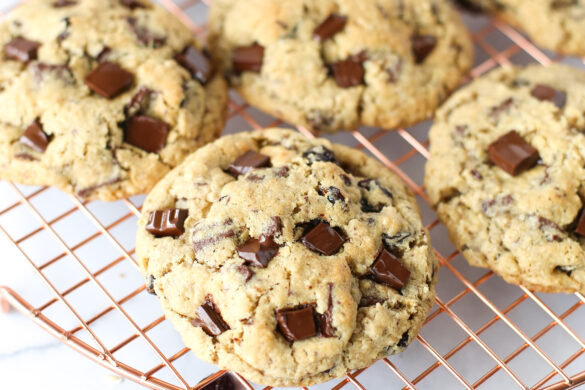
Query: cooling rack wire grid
(482, 332)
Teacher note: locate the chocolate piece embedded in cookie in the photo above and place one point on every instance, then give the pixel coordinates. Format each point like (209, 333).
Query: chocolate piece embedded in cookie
(196, 63)
(422, 46)
(330, 26)
(511, 153)
(164, 223)
(544, 92)
(248, 58)
(209, 318)
(387, 269)
(35, 138)
(109, 80)
(297, 323)
(323, 239)
(247, 162)
(22, 50)
(258, 252)
(146, 133)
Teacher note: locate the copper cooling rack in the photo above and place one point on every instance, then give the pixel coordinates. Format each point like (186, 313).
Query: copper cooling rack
(482, 332)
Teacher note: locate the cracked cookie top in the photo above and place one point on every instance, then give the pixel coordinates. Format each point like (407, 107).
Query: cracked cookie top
(506, 174)
(286, 259)
(554, 24)
(102, 97)
(331, 65)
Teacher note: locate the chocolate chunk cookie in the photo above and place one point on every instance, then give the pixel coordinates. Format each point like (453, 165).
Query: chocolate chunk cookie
(286, 259)
(331, 65)
(557, 25)
(507, 174)
(102, 97)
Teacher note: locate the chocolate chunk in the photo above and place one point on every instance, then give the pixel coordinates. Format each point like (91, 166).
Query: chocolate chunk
(275, 227)
(132, 4)
(146, 133)
(24, 156)
(146, 36)
(109, 80)
(22, 50)
(297, 323)
(580, 228)
(331, 26)
(258, 252)
(245, 271)
(546, 93)
(348, 73)
(248, 58)
(224, 382)
(209, 318)
(319, 154)
(138, 103)
(511, 153)
(369, 301)
(247, 162)
(64, 3)
(282, 171)
(85, 192)
(422, 46)
(164, 223)
(34, 137)
(150, 285)
(196, 63)
(324, 320)
(388, 270)
(103, 55)
(323, 239)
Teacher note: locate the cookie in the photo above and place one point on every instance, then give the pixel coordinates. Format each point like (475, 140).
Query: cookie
(332, 65)
(557, 25)
(288, 260)
(101, 98)
(506, 175)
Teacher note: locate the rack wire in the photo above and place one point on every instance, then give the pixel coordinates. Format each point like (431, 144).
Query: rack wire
(482, 333)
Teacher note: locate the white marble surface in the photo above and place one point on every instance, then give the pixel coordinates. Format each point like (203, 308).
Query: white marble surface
(31, 358)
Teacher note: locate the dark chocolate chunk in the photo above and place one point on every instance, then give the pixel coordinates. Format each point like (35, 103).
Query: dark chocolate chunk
(546, 93)
(319, 154)
(388, 270)
(258, 252)
(248, 58)
(164, 223)
(324, 320)
(132, 4)
(580, 227)
(330, 26)
(109, 80)
(224, 382)
(275, 227)
(297, 323)
(85, 192)
(209, 318)
(247, 162)
(323, 239)
(369, 301)
(511, 153)
(150, 285)
(22, 50)
(146, 133)
(103, 55)
(245, 271)
(35, 138)
(422, 46)
(138, 103)
(64, 3)
(348, 73)
(196, 63)
(24, 156)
